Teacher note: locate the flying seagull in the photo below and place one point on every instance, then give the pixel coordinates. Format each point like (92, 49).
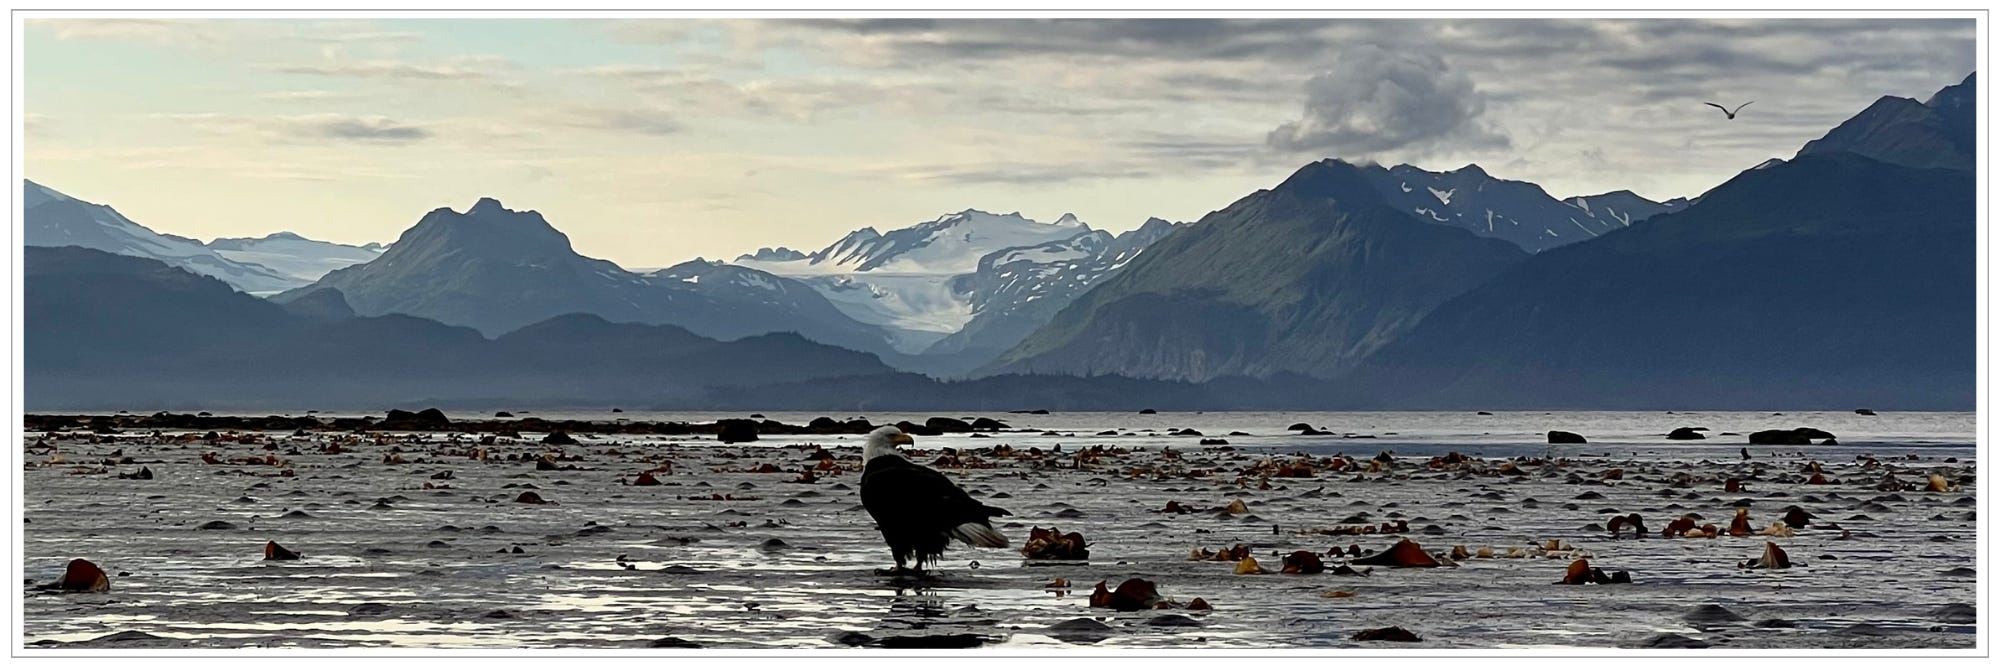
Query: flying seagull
(1726, 111)
(918, 509)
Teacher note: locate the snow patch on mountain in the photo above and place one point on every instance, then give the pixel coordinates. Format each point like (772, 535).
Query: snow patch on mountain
(293, 255)
(56, 219)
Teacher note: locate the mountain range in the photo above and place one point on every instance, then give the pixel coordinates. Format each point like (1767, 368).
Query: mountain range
(106, 330)
(1843, 276)
(936, 280)
(496, 270)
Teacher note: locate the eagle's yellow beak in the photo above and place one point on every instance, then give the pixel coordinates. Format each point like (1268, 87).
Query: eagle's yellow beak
(902, 439)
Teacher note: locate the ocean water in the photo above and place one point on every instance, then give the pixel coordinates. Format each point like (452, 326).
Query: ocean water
(1409, 433)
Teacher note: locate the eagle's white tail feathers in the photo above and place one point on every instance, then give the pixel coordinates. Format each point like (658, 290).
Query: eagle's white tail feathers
(979, 534)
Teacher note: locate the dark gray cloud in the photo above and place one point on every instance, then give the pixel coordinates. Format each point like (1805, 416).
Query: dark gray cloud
(1152, 38)
(1374, 100)
(366, 129)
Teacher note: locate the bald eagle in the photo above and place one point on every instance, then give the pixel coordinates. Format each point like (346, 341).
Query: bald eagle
(917, 509)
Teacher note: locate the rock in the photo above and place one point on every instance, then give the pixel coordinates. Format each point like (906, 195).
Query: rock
(1673, 641)
(368, 609)
(1710, 614)
(1301, 426)
(503, 414)
(558, 438)
(1685, 433)
(1957, 614)
(1797, 436)
(216, 525)
(1149, 411)
(1774, 558)
(1132, 595)
(987, 424)
(947, 425)
(1578, 573)
(646, 479)
(1173, 621)
(1865, 412)
(144, 473)
(432, 417)
(1566, 438)
(1051, 544)
(275, 551)
(1637, 523)
(530, 498)
(1404, 554)
(736, 430)
(1214, 441)
(1302, 562)
(673, 644)
(852, 638)
(122, 637)
(1082, 630)
(82, 576)
(1389, 634)
(952, 640)
(914, 428)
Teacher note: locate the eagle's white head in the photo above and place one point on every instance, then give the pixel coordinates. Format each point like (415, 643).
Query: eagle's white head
(882, 442)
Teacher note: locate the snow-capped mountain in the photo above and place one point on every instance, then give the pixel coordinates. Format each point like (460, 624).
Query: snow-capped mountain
(496, 270)
(56, 219)
(1516, 211)
(904, 281)
(1017, 290)
(1625, 207)
(951, 244)
(294, 255)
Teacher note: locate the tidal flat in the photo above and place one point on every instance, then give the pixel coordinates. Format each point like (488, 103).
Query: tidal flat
(420, 539)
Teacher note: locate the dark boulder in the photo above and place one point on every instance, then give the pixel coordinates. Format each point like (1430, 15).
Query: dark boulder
(1797, 436)
(558, 438)
(948, 425)
(1566, 438)
(914, 428)
(987, 424)
(1389, 634)
(736, 430)
(1685, 433)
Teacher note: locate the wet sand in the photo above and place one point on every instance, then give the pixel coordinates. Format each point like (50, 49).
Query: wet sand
(718, 556)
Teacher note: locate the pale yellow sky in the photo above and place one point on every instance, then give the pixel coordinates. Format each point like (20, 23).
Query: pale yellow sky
(651, 142)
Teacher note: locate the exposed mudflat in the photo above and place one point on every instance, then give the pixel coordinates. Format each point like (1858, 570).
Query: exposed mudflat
(716, 556)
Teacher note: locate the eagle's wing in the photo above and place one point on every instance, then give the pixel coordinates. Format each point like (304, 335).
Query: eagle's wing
(910, 493)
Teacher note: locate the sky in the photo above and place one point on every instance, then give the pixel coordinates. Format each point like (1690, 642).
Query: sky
(654, 141)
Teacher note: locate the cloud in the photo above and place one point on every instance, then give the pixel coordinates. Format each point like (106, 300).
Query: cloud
(307, 128)
(162, 32)
(384, 70)
(622, 120)
(1374, 100)
(375, 129)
